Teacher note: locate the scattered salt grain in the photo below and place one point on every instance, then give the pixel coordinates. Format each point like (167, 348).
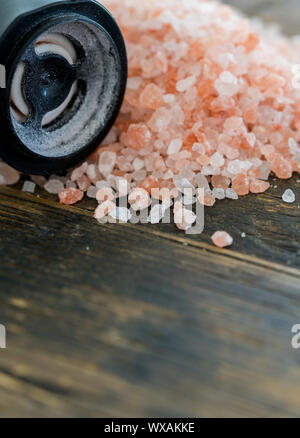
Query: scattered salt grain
(29, 187)
(70, 196)
(243, 235)
(289, 196)
(222, 239)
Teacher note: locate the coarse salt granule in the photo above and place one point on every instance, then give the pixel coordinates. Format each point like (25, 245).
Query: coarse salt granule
(289, 196)
(29, 187)
(222, 239)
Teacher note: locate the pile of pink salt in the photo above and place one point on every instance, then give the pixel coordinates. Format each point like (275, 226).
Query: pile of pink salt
(212, 100)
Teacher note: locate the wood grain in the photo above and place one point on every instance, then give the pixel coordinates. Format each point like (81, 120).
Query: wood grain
(140, 320)
(137, 325)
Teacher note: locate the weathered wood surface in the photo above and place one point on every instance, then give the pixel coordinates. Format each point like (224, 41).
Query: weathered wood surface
(140, 320)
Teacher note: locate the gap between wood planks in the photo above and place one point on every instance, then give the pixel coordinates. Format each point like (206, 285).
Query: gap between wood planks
(27, 197)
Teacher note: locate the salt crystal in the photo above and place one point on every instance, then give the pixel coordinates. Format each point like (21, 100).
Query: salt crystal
(70, 196)
(105, 194)
(243, 235)
(29, 187)
(174, 146)
(104, 209)
(185, 84)
(134, 83)
(222, 239)
(92, 191)
(8, 175)
(54, 186)
(138, 164)
(227, 84)
(79, 171)
(289, 196)
(231, 194)
(218, 193)
(107, 162)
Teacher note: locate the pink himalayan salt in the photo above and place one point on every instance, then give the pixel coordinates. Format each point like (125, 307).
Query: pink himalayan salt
(105, 194)
(104, 209)
(207, 199)
(258, 186)
(138, 136)
(139, 199)
(79, 171)
(83, 183)
(240, 184)
(220, 182)
(8, 175)
(225, 88)
(151, 97)
(107, 161)
(222, 239)
(70, 196)
(183, 217)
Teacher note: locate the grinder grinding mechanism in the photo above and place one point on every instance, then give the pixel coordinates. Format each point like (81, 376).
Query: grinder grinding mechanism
(66, 69)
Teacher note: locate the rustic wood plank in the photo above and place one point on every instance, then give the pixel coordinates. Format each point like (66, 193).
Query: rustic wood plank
(138, 325)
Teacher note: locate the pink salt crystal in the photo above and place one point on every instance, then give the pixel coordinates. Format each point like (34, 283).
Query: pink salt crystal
(8, 175)
(151, 97)
(107, 161)
(91, 192)
(54, 186)
(70, 196)
(258, 186)
(183, 217)
(174, 146)
(220, 182)
(240, 184)
(222, 239)
(104, 209)
(207, 199)
(251, 114)
(92, 172)
(105, 194)
(185, 84)
(234, 126)
(138, 136)
(161, 62)
(139, 199)
(217, 160)
(70, 184)
(281, 166)
(138, 164)
(227, 84)
(149, 184)
(79, 171)
(83, 183)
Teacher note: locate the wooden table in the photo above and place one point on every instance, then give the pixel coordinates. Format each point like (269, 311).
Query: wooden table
(141, 320)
